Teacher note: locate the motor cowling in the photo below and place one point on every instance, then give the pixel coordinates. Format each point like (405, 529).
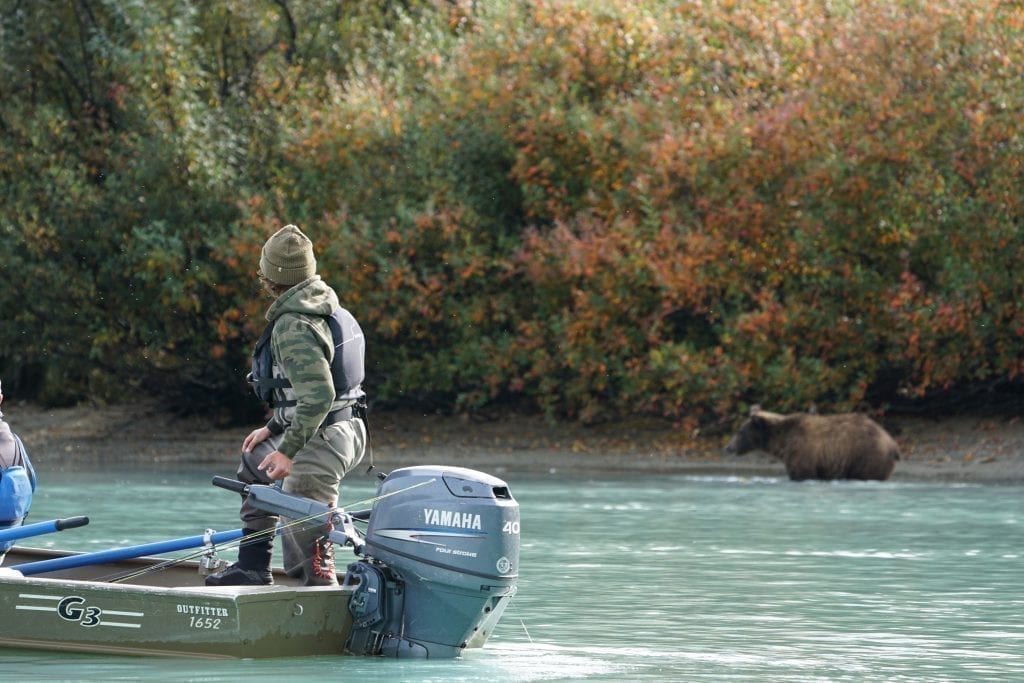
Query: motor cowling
(442, 563)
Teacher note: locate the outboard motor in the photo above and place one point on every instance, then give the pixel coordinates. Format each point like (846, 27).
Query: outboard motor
(442, 562)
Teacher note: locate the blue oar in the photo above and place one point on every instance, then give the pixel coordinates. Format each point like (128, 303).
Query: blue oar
(127, 553)
(39, 528)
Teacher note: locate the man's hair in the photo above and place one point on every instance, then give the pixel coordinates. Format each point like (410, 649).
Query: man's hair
(274, 288)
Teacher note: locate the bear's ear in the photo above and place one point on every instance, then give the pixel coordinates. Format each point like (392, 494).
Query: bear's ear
(765, 419)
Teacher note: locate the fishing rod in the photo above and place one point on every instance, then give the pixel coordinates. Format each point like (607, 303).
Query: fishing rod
(225, 539)
(201, 552)
(125, 553)
(273, 499)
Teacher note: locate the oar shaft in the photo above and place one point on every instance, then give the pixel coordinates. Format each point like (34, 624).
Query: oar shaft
(39, 528)
(126, 553)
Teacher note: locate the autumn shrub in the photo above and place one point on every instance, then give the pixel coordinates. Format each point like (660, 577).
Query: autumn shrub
(774, 157)
(887, 202)
(593, 209)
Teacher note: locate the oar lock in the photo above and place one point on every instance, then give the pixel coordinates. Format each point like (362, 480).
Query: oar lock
(210, 562)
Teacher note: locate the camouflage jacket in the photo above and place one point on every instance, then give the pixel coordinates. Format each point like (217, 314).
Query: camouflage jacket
(302, 347)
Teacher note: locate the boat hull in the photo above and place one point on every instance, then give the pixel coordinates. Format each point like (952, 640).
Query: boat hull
(168, 612)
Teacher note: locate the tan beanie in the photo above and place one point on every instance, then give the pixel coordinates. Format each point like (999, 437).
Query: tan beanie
(287, 257)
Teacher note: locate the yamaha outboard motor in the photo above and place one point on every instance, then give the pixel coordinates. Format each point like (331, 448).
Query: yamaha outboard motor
(442, 562)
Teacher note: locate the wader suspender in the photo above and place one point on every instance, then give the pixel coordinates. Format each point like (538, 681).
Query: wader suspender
(22, 455)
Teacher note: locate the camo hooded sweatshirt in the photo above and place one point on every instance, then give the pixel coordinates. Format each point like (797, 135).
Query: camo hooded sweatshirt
(302, 348)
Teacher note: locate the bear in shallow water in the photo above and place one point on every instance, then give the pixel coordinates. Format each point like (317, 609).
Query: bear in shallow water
(844, 446)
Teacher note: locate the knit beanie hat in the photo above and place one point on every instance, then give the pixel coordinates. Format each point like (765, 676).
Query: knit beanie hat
(287, 257)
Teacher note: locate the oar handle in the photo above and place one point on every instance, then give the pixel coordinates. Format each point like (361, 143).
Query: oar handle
(14, 533)
(231, 485)
(70, 523)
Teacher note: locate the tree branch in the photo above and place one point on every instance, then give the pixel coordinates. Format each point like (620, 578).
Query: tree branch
(293, 32)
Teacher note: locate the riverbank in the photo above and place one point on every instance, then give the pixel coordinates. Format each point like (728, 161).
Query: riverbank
(977, 449)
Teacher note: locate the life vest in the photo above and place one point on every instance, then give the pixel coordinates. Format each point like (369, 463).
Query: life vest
(347, 366)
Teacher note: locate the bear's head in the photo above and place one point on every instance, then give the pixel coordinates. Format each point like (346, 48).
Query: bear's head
(754, 433)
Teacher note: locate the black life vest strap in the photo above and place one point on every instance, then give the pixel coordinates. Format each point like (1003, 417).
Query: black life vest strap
(264, 383)
(272, 382)
(361, 410)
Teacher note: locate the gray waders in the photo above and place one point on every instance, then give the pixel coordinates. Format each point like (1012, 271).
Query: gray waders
(317, 470)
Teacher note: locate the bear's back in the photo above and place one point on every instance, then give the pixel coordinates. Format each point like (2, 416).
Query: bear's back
(840, 446)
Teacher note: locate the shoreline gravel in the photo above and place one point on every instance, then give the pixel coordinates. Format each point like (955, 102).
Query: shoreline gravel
(967, 449)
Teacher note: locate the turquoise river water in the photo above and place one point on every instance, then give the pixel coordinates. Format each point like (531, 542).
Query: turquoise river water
(667, 578)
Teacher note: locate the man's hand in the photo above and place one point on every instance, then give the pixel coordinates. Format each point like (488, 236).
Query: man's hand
(277, 465)
(255, 437)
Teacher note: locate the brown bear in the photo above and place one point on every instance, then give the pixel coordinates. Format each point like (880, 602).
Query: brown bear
(844, 446)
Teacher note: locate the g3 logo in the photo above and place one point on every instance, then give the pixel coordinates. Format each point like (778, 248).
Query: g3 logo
(71, 609)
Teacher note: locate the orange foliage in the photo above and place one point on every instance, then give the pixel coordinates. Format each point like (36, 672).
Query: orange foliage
(677, 208)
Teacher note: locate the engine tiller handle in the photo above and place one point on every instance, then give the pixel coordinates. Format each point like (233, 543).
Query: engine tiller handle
(231, 485)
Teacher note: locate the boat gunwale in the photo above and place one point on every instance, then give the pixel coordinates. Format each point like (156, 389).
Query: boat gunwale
(281, 591)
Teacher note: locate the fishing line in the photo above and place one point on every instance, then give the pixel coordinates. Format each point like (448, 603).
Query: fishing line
(526, 631)
(511, 607)
(373, 500)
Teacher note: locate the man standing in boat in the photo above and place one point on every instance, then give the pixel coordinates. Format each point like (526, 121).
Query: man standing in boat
(17, 479)
(309, 366)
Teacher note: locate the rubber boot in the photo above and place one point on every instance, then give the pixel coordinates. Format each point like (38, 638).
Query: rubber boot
(309, 555)
(253, 566)
(321, 571)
